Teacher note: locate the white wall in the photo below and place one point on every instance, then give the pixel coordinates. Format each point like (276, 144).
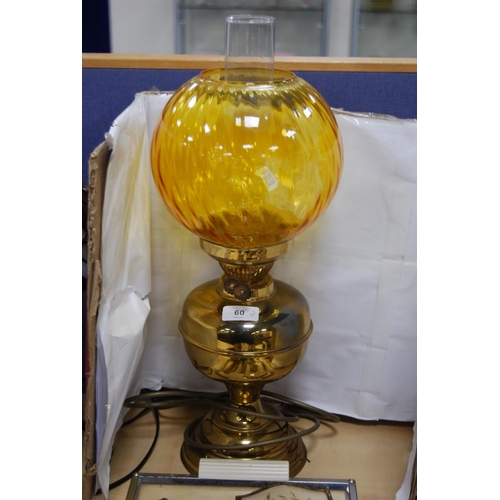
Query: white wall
(340, 28)
(142, 27)
(148, 27)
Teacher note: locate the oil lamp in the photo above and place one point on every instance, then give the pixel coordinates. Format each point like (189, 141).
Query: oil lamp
(246, 157)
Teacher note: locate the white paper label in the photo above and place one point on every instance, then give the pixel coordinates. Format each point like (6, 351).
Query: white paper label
(240, 313)
(268, 177)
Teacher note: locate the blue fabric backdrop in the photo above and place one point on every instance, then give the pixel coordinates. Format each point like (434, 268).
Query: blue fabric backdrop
(107, 92)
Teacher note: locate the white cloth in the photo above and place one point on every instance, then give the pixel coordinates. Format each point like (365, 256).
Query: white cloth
(356, 266)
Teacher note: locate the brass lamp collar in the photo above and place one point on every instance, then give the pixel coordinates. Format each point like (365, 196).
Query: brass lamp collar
(246, 276)
(246, 256)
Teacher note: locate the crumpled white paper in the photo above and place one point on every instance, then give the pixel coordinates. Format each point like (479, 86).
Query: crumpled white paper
(356, 266)
(126, 271)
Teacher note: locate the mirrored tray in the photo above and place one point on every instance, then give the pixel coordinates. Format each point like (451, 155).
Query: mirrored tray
(182, 486)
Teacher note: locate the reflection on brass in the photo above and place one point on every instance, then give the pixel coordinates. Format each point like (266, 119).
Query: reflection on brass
(245, 355)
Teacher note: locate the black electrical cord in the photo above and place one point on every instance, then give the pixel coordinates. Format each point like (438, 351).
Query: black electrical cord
(207, 446)
(141, 414)
(125, 478)
(321, 414)
(154, 401)
(172, 398)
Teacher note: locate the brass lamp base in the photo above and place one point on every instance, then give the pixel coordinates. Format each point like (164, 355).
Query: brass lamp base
(220, 434)
(261, 343)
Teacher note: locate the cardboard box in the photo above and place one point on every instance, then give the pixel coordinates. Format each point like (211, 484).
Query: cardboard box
(98, 163)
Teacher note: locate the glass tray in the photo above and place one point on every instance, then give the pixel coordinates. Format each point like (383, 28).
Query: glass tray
(182, 486)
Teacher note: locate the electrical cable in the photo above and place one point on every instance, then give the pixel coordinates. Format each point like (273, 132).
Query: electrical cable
(161, 400)
(291, 411)
(173, 398)
(321, 414)
(137, 417)
(141, 464)
(269, 442)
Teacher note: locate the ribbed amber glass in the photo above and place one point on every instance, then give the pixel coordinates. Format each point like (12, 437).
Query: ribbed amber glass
(246, 158)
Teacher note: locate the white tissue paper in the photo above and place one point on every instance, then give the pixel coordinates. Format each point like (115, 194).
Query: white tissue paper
(356, 266)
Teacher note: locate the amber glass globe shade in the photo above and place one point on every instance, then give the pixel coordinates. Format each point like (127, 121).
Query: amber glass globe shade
(246, 158)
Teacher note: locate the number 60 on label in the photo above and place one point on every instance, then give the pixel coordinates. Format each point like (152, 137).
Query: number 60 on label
(240, 313)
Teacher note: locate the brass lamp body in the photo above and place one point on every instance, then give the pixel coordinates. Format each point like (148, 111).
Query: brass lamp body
(246, 159)
(245, 355)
